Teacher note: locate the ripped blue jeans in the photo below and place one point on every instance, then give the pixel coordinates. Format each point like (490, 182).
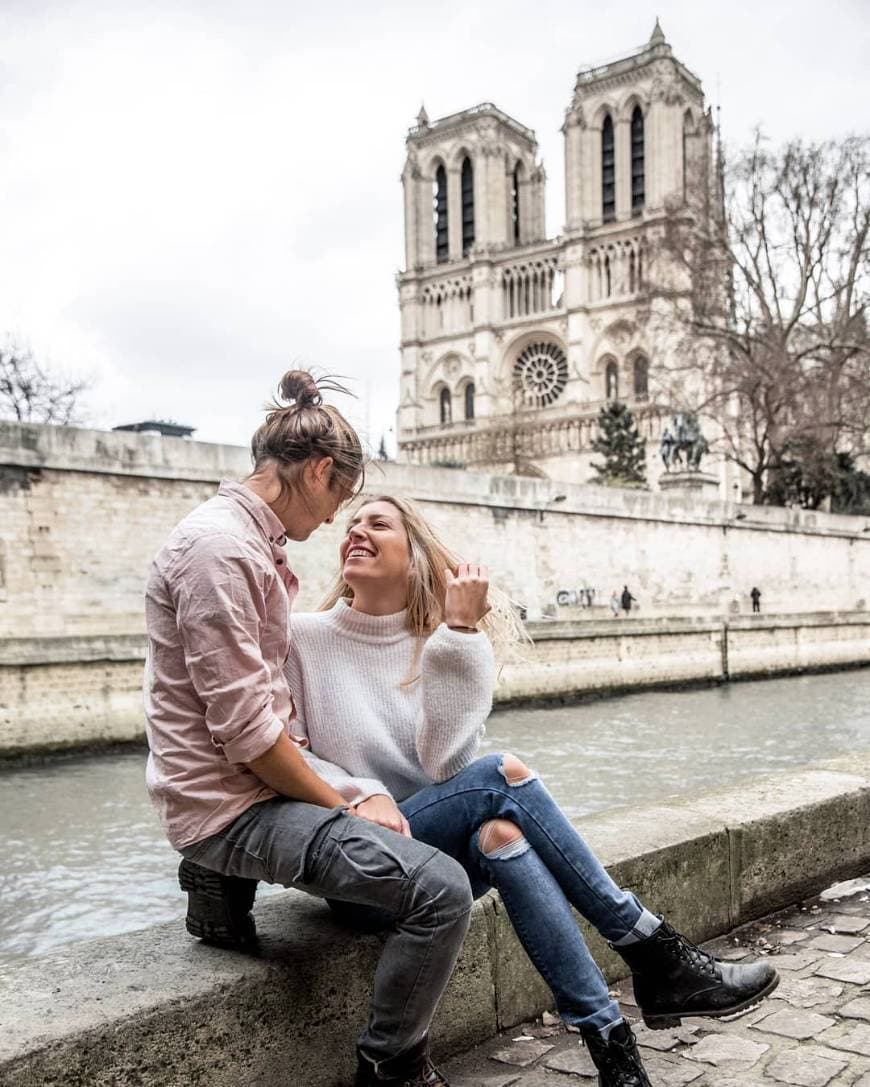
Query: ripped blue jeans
(539, 878)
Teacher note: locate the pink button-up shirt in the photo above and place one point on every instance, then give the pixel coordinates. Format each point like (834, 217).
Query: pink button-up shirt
(217, 607)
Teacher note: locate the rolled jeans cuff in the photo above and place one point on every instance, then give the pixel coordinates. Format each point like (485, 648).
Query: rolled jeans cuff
(597, 1023)
(642, 929)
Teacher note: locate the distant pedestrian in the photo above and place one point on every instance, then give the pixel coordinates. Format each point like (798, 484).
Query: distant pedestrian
(615, 604)
(627, 600)
(756, 600)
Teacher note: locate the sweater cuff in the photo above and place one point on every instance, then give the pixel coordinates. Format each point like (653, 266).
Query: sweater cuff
(476, 645)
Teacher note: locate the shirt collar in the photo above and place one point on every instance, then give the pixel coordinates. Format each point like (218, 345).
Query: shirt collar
(260, 512)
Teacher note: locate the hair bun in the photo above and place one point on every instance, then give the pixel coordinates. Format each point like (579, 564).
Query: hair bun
(299, 388)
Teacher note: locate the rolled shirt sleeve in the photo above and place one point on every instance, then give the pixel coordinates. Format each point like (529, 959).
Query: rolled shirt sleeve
(218, 590)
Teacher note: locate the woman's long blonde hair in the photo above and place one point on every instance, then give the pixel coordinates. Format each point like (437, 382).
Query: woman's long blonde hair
(427, 584)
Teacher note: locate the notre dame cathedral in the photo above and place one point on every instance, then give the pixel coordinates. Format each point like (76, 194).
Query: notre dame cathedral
(512, 341)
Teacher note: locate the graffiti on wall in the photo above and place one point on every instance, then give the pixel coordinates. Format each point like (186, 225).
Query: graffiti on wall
(576, 598)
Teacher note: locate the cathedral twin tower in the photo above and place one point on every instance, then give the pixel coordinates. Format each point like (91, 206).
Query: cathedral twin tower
(512, 341)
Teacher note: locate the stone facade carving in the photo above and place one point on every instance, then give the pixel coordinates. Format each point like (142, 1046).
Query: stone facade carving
(485, 284)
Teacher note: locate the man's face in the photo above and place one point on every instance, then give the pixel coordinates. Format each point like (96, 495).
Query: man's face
(318, 502)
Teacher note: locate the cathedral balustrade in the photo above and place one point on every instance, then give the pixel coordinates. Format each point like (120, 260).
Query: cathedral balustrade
(504, 440)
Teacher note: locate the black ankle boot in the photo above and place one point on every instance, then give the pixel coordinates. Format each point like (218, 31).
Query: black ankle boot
(616, 1058)
(673, 978)
(218, 907)
(413, 1068)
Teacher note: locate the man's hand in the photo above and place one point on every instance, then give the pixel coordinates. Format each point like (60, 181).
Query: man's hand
(465, 603)
(382, 810)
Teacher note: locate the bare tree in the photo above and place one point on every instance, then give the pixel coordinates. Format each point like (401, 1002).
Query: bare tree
(770, 293)
(30, 394)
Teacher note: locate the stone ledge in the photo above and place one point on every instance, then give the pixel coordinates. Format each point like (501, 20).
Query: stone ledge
(32, 447)
(569, 661)
(72, 649)
(156, 1009)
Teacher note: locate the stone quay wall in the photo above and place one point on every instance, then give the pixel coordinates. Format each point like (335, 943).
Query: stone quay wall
(78, 692)
(157, 1009)
(82, 513)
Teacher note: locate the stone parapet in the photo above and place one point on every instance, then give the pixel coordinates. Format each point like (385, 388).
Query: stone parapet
(59, 693)
(156, 1009)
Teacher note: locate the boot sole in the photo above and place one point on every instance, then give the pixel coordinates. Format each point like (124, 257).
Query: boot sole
(207, 910)
(668, 1021)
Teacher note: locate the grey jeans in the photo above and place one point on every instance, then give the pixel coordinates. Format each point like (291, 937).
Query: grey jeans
(330, 853)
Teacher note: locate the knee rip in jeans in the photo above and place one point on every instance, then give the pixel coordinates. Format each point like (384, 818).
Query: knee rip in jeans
(500, 839)
(515, 772)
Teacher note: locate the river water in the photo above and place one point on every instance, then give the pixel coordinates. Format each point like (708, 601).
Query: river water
(81, 854)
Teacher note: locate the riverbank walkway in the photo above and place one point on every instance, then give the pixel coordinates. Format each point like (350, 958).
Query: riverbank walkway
(813, 1032)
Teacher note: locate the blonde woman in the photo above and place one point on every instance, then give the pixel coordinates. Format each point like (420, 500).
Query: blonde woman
(392, 685)
(236, 797)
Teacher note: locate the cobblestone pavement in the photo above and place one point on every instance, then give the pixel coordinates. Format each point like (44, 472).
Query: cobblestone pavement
(814, 1031)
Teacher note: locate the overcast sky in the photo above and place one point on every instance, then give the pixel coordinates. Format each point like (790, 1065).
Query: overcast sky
(194, 195)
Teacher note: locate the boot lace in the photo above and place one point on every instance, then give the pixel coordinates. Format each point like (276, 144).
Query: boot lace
(615, 1058)
(428, 1076)
(689, 952)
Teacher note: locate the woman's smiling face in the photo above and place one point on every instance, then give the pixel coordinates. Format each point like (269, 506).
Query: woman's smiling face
(375, 548)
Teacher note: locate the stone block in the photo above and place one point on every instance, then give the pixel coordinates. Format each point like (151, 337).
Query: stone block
(838, 945)
(522, 1053)
(854, 970)
(793, 1023)
(808, 992)
(790, 835)
(574, 1061)
(725, 1050)
(675, 859)
(844, 923)
(859, 1008)
(806, 1067)
(854, 1039)
(522, 992)
(168, 1010)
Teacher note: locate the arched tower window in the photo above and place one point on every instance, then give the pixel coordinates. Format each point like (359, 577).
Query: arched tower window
(637, 165)
(608, 171)
(441, 239)
(611, 381)
(515, 203)
(467, 205)
(469, 400)
(445, 407)
(641, 378)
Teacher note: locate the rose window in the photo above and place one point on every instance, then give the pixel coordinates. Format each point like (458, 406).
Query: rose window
(541, 373)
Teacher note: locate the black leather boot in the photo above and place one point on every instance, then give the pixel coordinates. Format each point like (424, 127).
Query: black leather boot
(413, 1068)
(616, 1058)
(673, 978)
(218, 907)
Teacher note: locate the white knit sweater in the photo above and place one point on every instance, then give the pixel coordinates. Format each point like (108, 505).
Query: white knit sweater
(368, 730)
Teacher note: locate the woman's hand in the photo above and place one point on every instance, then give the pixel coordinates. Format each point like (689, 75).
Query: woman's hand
(383, 810)
(465, 603)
